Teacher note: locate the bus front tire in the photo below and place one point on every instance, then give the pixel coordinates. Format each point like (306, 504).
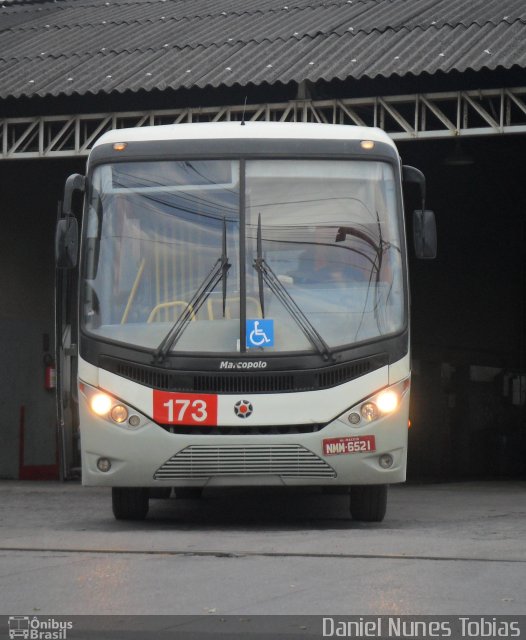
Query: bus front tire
(369, 502)
(130, 503)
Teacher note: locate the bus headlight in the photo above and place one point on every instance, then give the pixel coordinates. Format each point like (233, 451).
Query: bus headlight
(387, 401)
(100, 404)
(119, 413)
(376, 406)
(111, 409)
(369, 411)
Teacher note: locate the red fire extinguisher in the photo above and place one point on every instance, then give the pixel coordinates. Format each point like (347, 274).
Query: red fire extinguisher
(50, 372)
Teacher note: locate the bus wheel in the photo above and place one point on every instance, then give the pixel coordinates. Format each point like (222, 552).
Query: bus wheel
(188, 493)
(129, 503)
(369, 502)
(160, 493)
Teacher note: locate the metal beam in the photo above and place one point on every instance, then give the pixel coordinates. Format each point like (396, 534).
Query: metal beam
(405, 117)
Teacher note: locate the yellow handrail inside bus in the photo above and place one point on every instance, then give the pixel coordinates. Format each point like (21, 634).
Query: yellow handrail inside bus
(216, 304)
(171, 305)
(133, 291)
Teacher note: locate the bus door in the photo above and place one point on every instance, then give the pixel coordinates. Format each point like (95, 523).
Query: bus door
(66, 358)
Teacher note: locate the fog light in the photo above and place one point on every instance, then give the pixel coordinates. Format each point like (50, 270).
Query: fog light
(354, 418)
(385, 461)
(119, 413)
(387, 401)
(100, 404)
(134, 421)
(103, 464)
(369, 411)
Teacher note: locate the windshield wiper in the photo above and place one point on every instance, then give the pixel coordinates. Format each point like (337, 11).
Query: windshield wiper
(266, 275)
(217, 273)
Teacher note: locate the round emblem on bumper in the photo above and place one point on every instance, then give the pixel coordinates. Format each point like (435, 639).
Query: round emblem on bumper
(243, 409)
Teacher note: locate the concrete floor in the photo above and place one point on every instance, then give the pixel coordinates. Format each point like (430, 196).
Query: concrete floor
(442, 549)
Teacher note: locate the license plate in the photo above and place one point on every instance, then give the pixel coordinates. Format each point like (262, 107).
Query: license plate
(185, 408)
(349, 444)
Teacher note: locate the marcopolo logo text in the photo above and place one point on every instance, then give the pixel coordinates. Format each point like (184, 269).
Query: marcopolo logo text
(243, 364)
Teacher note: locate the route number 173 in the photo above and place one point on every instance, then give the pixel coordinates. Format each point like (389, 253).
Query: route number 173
(184, 409)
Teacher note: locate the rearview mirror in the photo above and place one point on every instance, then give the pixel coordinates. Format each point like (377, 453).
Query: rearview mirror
(414, 175)
(74, 183)
(424, 234)
(67, 243)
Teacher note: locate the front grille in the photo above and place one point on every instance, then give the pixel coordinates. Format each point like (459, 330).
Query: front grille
(243, 431)
(247, 382)
(205, 461)
(333, 376)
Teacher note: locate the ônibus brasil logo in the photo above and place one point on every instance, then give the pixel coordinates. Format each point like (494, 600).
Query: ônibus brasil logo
(38, 629)
(243, 409)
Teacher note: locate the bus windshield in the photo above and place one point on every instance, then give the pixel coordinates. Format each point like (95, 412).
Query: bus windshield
(323, 234)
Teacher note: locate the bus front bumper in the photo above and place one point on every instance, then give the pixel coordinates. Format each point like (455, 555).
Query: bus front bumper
(338, 454)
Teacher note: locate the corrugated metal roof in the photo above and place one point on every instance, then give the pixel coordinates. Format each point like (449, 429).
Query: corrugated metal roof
(92, 46)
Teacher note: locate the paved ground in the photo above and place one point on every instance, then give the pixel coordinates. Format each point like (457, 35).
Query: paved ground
(442, 549)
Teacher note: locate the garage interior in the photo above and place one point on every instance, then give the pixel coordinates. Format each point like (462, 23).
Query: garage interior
(468, 312)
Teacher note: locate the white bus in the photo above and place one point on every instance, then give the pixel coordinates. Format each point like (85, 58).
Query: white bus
(243, 313)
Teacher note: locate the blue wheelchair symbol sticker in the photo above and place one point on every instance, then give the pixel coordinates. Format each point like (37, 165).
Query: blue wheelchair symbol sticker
(260, 333)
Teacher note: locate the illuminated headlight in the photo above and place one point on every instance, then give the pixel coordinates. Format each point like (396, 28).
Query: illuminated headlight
(369, 411)
(380, 404)
(119, 413)
(111, 409)
(100, 404)
(387, 401)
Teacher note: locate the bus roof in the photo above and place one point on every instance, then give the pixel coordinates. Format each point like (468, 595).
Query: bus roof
(250, 130)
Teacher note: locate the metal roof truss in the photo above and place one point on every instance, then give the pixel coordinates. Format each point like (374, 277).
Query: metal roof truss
(404, 117)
